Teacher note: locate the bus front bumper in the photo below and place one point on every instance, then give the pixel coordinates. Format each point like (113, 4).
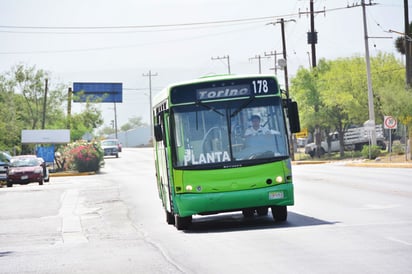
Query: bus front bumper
(209, 203)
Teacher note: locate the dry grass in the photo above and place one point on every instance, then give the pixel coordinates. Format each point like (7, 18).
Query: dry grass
(393, 158)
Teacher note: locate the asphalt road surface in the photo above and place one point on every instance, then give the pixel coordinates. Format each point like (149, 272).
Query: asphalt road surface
(345, 220)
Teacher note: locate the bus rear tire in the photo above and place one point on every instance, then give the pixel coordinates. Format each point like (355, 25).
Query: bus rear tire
(170, 218)
(182, 223)
(279, 213)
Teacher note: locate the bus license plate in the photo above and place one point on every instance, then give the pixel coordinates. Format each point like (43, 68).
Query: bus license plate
(276, 195)
(24, 177)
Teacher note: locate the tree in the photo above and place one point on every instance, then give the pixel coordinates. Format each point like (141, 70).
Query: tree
(22, 93)
(133, 122)
(400, 42)
(10, 126)
(341, 92)
(86, 121)
(22, 97)
(105, 131)
(304, 89)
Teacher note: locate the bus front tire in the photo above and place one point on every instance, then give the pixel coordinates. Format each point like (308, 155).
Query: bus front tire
(279, 213)
(182, 223)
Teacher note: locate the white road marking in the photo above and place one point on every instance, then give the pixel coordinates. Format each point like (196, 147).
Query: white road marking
(399, 241)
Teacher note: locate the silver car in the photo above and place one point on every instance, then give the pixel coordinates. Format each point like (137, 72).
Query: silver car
(4, 163)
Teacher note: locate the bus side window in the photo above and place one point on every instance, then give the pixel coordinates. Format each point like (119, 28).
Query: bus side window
(158, 133)
(158, 129)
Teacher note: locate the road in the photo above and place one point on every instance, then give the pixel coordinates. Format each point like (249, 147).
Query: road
(345, 220)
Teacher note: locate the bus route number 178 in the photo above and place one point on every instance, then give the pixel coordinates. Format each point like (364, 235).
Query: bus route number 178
(260, 86)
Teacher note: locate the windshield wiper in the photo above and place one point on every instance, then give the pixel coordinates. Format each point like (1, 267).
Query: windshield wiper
(199, 103)
(242, 107)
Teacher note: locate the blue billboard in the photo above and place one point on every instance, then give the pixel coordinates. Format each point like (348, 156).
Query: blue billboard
(98, 92)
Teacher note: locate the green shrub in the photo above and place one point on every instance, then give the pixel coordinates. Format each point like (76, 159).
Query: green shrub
(373, 152)
(397, 148)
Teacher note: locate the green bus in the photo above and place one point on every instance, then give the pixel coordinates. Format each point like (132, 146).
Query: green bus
(221, 144)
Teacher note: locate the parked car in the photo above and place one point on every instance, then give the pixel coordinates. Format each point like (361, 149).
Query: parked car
(26, 169)
(4, 163)
(110, 147)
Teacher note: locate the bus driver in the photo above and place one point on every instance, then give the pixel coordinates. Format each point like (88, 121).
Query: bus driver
(256, 129)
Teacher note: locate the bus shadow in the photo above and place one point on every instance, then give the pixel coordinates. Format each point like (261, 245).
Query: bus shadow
(236, 222)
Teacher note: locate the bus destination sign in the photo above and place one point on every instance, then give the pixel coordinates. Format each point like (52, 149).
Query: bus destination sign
(224, 89)
(222, 92)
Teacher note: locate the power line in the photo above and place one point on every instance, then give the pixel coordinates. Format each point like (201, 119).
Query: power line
(116, 47)
(127, 31)
(143, 26)
(176, 25)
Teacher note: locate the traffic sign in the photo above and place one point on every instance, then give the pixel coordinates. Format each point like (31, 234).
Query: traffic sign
(302, 134)
(389, 122)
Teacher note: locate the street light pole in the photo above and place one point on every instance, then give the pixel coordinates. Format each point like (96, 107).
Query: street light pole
(150, 75)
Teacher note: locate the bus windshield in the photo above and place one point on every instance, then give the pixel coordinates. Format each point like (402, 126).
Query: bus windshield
(228, 133)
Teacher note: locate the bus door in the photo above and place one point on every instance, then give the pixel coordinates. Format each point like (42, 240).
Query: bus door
(163, 167)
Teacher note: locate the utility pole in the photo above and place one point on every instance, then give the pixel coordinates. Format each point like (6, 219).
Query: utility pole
(408, 46)
(69, 107)
(46, 87)
(224, 57)
(371, 122)
(115, 120)
(312, 34)
(285, 67)
(275, 57)
(259, 57)
(150, 75)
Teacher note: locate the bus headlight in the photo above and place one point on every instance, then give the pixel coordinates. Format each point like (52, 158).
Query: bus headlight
(279, 179)
(189, 188)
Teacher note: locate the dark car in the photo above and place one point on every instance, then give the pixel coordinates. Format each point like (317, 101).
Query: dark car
(25, 169)
(110, 147)
(4, 163)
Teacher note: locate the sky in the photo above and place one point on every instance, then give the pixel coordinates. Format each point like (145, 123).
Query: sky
(177, 40)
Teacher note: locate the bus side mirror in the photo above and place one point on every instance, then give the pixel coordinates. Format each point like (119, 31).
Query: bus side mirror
(158, 134)
(293, 114)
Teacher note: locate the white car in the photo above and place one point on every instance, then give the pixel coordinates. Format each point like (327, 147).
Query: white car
(110, 147)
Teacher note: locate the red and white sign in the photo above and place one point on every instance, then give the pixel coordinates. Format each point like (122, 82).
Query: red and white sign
(389, 122)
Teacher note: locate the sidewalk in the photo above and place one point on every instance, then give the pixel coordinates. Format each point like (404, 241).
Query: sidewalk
(358, 163)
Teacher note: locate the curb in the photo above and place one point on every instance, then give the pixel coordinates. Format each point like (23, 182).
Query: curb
(309, 162)
(379, 165)
(383, 165)
(64, 174)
